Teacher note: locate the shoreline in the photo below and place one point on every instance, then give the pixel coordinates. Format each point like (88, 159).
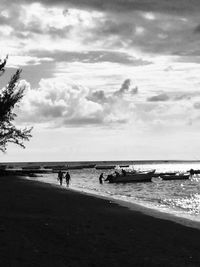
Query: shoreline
(41, 225)
(135, 207)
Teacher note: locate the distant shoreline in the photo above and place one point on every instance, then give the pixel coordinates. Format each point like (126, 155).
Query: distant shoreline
(103, 161)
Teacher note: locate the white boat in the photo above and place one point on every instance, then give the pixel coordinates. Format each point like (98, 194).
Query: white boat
(130, 177)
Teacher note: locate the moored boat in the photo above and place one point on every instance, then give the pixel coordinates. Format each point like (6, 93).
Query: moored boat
(178, 176)
(192, 171)
(159, 174)
(104, 167)
(31, 167)
(130, 177)
(88, 166)
(124, 166)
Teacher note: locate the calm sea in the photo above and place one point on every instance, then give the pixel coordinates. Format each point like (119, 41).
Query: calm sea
(180, 198)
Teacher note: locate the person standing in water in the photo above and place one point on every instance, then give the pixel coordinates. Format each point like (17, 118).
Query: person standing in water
(67, 178)
(60, 177)
(101, 178)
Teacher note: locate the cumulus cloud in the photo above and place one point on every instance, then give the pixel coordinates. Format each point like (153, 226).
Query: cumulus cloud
(98, 96)
(59, 102)
(126, 86)
(63, 103)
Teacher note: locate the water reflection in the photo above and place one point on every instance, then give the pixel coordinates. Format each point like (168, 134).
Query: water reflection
(181, 197)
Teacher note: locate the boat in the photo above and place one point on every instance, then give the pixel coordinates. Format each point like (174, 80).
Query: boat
(124, 166)
(130, 177)
(178, 176)
(88, 166)
(31, 167)
(104, 167)
(55, 167)
(159, 174)
(192, 171)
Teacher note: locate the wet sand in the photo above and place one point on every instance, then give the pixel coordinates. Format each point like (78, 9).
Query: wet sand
(41, 225)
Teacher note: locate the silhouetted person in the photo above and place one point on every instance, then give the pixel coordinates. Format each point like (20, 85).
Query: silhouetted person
(123, 172)
(101, 178)
(60, 177)
(117, 174)
(67, 179)
(192, 172)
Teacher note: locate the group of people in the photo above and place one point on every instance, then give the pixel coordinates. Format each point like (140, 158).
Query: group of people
(62, 175)
(67, 177)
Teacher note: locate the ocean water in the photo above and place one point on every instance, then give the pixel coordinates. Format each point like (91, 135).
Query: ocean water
(180, 198)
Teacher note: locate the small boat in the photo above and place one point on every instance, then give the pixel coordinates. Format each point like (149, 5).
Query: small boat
(104, 167)
(192, 171)
(31, 167)
(159, 174)
(130, 177)
(178, 176)
(124, 166)
(88, 166)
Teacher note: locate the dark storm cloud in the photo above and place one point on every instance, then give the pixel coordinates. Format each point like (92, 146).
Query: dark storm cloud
(23, 30)
(91, 57)
(166, 33)
(110, 27)
(166, 6)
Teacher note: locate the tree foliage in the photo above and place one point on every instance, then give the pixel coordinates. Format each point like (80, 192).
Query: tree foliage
(10, 97)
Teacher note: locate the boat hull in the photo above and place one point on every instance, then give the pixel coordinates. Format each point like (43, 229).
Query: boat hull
(175, 177)
(104, 167)
(160, 174)
(131, 178)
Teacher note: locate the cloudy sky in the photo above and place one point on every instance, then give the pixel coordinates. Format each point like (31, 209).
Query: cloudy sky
(105, 79)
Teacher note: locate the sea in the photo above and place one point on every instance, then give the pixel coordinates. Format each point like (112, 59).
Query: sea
(179, 200)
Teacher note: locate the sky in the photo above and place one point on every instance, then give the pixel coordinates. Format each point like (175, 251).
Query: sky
(105, 79)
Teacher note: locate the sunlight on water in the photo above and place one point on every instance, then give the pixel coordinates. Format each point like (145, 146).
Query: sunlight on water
(191, 204)
(178, 197)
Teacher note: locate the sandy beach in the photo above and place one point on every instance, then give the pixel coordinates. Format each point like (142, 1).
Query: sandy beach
(41, 225)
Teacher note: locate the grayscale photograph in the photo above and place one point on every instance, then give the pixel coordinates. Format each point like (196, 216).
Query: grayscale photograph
(99, 133)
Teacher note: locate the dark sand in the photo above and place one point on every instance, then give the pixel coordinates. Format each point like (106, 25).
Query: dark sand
(41, 225)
